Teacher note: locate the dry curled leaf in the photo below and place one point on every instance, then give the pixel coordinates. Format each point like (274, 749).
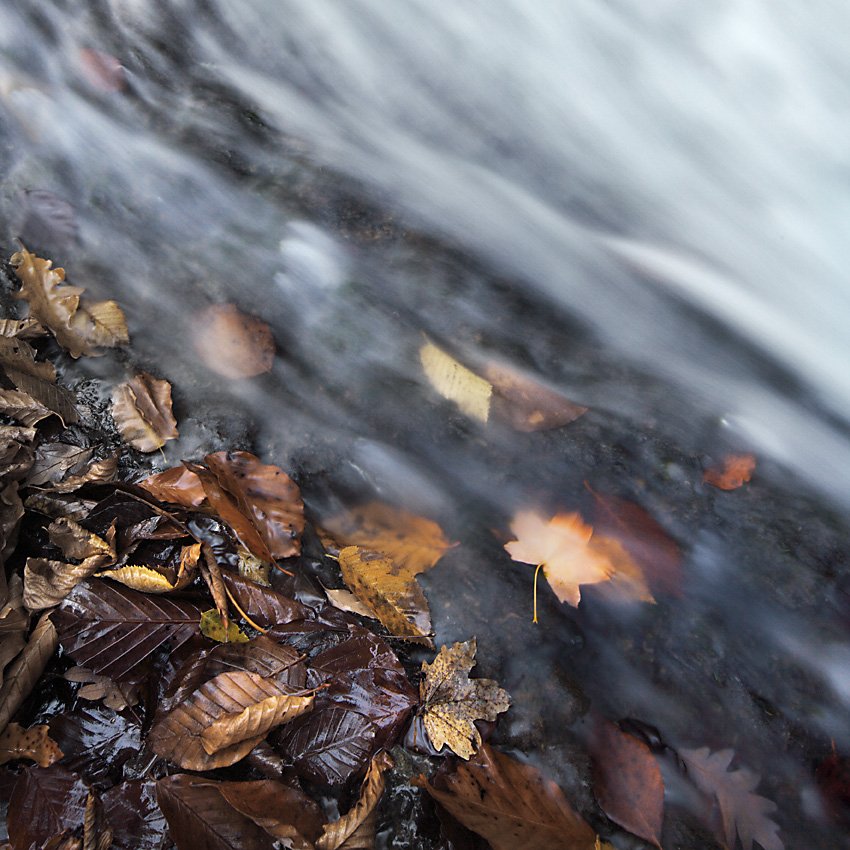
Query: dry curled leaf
(77, 328)
(34, 744)
(455, 382)
(510, 804)
(735, 471)
(742, 812)
(224, 720)
(359, 820)
(141, 408)
(392, 594)
(233, 344)
(452, 702)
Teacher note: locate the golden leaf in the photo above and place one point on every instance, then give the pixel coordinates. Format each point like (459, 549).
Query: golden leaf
(213, 628)
(56, 305)
(452, 702)
(141, 408)
(455, 382)
(224, 719)
(359, 818)
(391, 592)
(34, 743)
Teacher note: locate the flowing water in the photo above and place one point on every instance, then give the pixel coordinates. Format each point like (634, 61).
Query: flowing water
(638, 203)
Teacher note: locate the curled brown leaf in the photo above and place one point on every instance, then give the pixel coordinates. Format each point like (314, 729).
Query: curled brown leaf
(141, 408)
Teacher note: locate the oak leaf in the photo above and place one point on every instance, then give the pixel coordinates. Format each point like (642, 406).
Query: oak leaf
(77, 328)
(742, 812)
(735, 471)
(224, 720)
(360, 820)
(233, 344)
(452, 702)
(510, 804)
(141, 408)
(34, 743)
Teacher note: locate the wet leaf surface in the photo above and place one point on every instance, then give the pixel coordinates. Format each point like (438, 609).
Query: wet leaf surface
(141, 408)
(453, 381)
(34, 744)
(134, 816)
(110, 629)
(178, 485)
(452, 702)
(95, 687)
(511, 804)
(266, 607)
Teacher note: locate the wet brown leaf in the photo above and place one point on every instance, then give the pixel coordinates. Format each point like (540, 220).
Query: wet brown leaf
(511, 804)
(14, 623)
(177, 485)
(53, 461)
(339, 833)
(16, 454)
(95, 687)
(628, 783)
(231, 343)
(265, 607)
(23, 673)
(526, 404)
(452, 702)
(136, 820)
(21, 328)
(34, 744)
(393, 595)
(285, 813)
(742, 812)
(141, 408)
(735, 471)
(99, 472)
(79, 329)
(11, 511)
(23, 407)
(224, 720)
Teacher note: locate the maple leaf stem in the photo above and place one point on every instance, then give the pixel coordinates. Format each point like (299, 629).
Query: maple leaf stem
(536, 571)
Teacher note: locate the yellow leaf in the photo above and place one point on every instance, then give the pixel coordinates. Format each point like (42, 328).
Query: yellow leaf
(456, 383)
(213, 628)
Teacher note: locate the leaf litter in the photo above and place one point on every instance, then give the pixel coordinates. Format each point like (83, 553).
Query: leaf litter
(296, 687)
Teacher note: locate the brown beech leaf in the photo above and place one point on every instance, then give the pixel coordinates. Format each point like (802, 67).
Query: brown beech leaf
(526, 404)
(414, 544)
(150, 580)
(628, 782)
(452, 702)
(54, 461)
(345, 600)
(136, 820)
(11, 511)
(453, 381)
(651, 548)
(224, 720)
(34, 743)
(177, 485)
(265, 607)
(141, 408)
(393, 595)
(95, 687)
(99, 472)
(285, 813)
(14, 624)
(21, 328)
(26, 669)
(111, 629)
(77, 328)
(511, 804)
(37, 380)
(197, 820)
(231, 343)
(23, 407)
(337, 834)
(45, 803)
(742, 812)
(735, 471)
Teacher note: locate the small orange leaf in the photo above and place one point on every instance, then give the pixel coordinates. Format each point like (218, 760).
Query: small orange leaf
(736, 471)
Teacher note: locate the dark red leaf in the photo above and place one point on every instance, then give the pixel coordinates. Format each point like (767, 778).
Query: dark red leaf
(44, 803)
(110, 629)
(135, 817)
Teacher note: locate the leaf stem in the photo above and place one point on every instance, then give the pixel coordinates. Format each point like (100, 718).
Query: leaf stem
(536, 571)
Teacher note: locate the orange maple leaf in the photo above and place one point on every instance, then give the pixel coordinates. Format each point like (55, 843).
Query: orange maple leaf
(562, 547)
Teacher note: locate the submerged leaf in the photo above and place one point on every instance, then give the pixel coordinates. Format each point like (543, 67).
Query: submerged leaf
(141, 408)
(456, 383)
(34, 743)
(233, 344)
(736, 471)
(224, 720)
(511, 804)
(452, 702)
(77, 328)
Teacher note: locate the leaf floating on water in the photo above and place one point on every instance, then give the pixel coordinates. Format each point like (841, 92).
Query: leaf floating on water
(359, 822)
(452, 702)
(224, 720)
(456, 383)
(743, 812)
(526, 404)
(285, 813)
(233, 344)
(111, 629)
(736, 471)
(213, 628)
(177, 485)
(34, 744)
(628, 782)
(511, 804)
(77, 328)
(393, 595)
(141, 408)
